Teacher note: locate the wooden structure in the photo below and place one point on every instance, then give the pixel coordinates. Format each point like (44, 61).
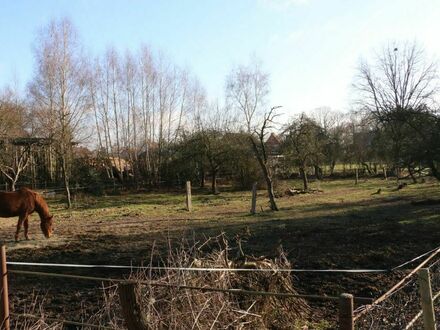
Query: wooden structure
(4, 301)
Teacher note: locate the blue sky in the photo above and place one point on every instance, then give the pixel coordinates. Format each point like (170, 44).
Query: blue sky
(310, 48)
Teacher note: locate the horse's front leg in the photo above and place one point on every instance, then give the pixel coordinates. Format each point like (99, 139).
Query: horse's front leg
(21, 218)
(26, 227)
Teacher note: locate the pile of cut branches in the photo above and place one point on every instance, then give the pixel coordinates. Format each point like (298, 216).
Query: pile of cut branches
(178, 308)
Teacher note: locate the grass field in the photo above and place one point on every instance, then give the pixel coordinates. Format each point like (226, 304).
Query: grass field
(344, 226)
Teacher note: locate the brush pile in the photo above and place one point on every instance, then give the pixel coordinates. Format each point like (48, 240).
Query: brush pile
(177, 308)
(172, 307)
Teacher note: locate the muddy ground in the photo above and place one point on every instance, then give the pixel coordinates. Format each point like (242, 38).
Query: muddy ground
(345, 226)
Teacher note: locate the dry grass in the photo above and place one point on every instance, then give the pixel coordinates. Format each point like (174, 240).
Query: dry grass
(34, 317)
(175, 308)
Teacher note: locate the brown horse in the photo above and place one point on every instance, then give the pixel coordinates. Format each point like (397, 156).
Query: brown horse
(23, 203)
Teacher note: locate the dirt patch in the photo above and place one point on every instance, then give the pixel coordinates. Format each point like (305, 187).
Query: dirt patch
(317, 231)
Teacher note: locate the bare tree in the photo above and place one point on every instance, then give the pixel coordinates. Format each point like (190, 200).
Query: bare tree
(303, 144)
(258, 139)
(13, 161)
(246, 89)
(147, 93)
(400, 79)
(59, 90)
(14, 158)
(399, 94)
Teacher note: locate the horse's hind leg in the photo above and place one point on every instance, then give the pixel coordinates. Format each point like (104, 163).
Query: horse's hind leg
(26, 227)
(21, 218)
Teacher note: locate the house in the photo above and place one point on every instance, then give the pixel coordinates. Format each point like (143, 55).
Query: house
(273, 145)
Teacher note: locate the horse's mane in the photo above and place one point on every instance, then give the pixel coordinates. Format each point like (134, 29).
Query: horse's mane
(41, 206)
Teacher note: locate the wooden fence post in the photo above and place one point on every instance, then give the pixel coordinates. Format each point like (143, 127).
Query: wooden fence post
(188, 196)
(357, 176)
(426, 299)
(385, 173)
(254, 198)
(346, 321)
(4, 301)
(318, 184)
(131, 307)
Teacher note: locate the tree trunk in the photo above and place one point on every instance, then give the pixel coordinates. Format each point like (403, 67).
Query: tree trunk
(411, 174)
(267, 177)
(304, 177)
(397, 171)
(434, 170)
(332, 167)
(214, 182)
(66, 181)
(366, 166)
(273, 205)
(318, 172)
(202, 177)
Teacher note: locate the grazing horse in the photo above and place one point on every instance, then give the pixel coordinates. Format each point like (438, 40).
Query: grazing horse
(23, 203)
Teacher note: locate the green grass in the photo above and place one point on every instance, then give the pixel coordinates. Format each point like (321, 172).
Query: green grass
(234, 205)
(340, 199)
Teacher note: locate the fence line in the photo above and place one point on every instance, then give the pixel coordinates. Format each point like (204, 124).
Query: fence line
(397, 285)
(199, 269)
(360, 300)
(216, 269)
(368, 302)
(416, 258)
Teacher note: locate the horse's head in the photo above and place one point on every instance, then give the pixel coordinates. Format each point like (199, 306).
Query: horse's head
(47, 226)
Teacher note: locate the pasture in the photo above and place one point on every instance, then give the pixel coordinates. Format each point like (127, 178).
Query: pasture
(344, 226)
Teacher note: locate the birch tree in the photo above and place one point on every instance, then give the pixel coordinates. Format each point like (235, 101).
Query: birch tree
(59, 90)
(247, 88)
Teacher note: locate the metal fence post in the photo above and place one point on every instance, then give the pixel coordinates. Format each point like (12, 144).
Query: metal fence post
(346, 304)
(426, 299)
(4, 301)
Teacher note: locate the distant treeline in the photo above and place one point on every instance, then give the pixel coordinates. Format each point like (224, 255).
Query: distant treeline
(140, 120)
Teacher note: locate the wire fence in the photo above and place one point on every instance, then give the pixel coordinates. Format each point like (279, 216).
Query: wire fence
(229, 269)
(398, 308)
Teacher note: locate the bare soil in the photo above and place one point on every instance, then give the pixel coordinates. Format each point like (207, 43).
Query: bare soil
(345, 226)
